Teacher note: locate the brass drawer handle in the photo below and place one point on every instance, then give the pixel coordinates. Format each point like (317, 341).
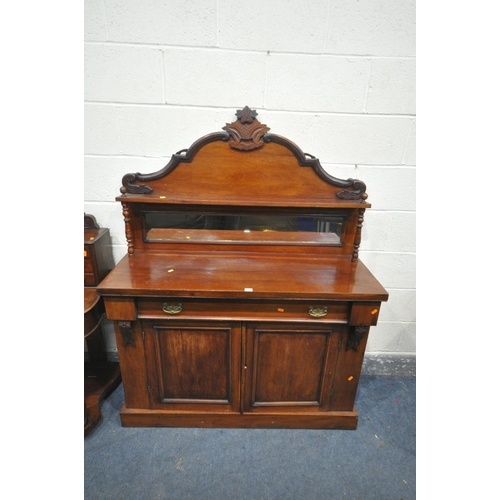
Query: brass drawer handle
(172, 309)
(318, 312)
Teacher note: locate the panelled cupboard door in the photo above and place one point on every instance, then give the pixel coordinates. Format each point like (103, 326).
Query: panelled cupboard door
(290, 368)
(193, 366)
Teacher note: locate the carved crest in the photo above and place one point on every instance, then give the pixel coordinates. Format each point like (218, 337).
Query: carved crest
(246, 132)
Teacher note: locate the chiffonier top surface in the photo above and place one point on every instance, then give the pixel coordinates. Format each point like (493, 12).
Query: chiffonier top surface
(240, 275)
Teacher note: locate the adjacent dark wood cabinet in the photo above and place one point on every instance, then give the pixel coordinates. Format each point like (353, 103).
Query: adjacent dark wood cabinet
(101, 375)
(97, 252)
(242, 301)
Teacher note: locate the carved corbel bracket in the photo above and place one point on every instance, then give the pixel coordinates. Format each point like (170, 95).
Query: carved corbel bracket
(356, 335)
(125, 328)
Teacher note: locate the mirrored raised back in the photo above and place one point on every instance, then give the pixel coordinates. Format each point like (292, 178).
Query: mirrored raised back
(188, 226)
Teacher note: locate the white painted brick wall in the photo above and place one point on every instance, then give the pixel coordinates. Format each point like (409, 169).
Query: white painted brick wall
(122, 73)
(277, 26)
(335, 76)
(371, 27)
(317, 83)
(162, 22)
(187, 71)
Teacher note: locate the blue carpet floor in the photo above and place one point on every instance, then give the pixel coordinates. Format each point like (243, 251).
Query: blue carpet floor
(375, 462)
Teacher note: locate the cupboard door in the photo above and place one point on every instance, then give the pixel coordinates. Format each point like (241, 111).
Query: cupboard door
(290, 367)
(193, 366)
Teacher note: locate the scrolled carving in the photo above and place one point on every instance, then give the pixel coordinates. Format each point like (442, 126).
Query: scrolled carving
(246, 132)
(129, 186)
(356, 190)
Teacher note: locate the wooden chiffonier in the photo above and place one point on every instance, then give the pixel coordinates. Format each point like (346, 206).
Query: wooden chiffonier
(242, 301)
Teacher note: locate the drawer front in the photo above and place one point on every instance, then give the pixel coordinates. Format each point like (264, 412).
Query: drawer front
(320, 311)
(364, 313)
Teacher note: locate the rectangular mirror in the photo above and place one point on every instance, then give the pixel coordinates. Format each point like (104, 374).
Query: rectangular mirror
(254, 228)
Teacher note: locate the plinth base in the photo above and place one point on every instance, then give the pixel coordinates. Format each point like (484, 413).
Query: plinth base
(347, 420)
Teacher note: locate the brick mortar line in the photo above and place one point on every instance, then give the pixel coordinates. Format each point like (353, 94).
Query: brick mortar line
(228, 49)
(260, 110)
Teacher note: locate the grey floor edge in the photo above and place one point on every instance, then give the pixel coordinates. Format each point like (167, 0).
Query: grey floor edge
(389, 364)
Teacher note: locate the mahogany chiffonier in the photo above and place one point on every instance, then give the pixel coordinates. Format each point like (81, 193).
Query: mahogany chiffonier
(242, 301)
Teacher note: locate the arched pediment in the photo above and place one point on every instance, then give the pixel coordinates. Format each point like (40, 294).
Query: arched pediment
(245, 164)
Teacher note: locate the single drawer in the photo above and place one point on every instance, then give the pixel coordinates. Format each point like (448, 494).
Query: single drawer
(248, 310)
